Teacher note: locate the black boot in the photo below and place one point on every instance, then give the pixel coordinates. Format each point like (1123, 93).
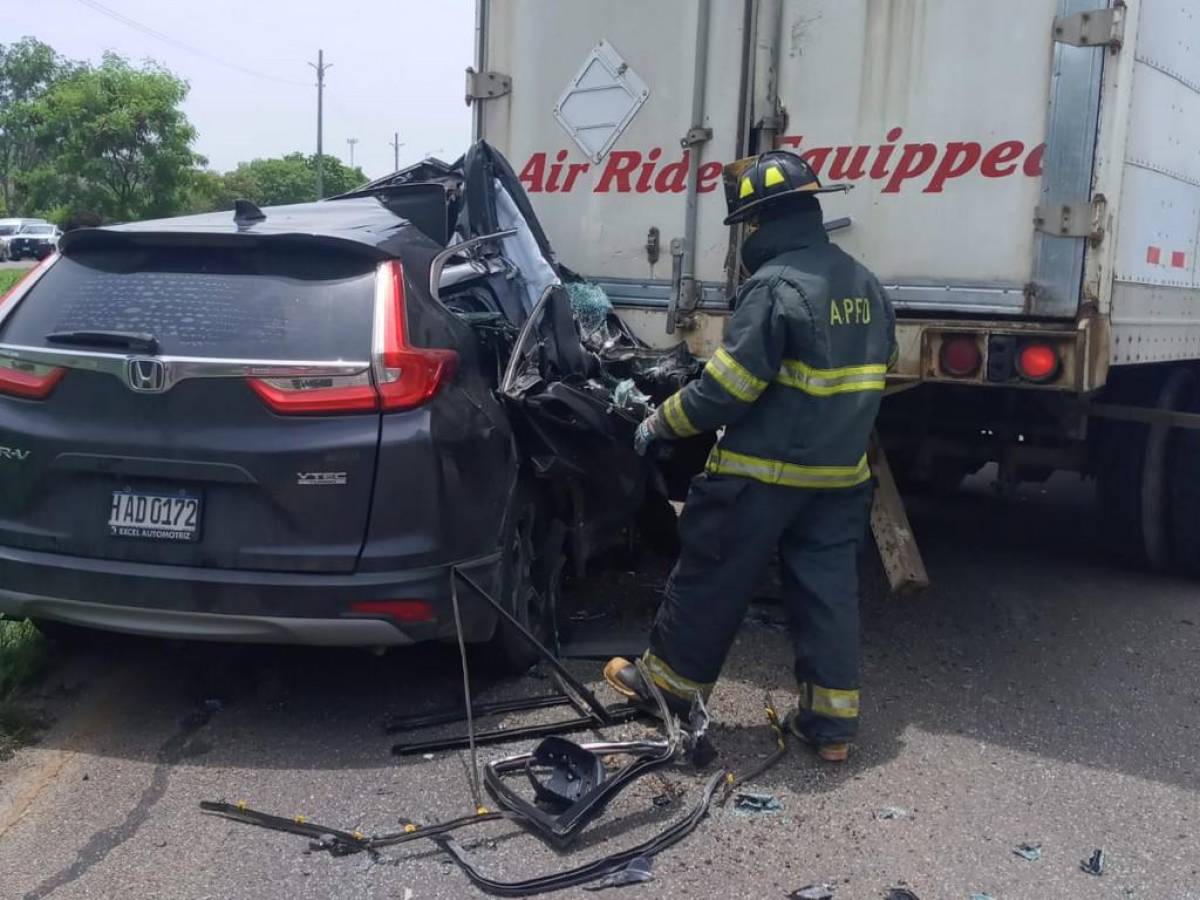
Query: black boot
(626, 680)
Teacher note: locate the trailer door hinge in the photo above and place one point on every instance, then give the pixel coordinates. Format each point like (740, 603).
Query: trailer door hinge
(1076, 220)
(486, 85)
(696, 135)
(1096, 28)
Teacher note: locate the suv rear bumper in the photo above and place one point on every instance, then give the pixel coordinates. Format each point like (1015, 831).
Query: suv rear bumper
(236, 605)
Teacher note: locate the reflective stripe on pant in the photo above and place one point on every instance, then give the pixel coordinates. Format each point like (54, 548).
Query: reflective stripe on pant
(729, 531)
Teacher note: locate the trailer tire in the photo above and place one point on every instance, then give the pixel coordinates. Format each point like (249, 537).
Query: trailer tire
(1136, 487)
(1183, 467)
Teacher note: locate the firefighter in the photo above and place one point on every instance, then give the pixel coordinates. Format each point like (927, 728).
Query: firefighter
(796, 385)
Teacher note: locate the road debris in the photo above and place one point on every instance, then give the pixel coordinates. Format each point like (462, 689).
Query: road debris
(982, 897)
(1093, 865)
(662, 800)
(900, 893)
(571, 787)
(637, 871)
(1031, 852)
(747, 803)
(892, 812)
(820, 891)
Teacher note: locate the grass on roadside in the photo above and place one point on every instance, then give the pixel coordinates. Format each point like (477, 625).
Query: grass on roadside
(9, 277)
(22, 655)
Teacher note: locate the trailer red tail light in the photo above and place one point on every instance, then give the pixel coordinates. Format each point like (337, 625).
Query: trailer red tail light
(28, 381)
(1038, 362)
(960, 356)
(401, 376)
(400, 610)
(405, 376)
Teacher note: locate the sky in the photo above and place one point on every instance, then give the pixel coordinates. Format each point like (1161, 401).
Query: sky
(396, 65)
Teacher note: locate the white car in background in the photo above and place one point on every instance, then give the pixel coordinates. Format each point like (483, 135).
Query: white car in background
(9, 227)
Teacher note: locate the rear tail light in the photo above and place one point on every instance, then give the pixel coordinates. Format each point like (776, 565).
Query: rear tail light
(401, 376)
(400, 610)
(1038, 362)
(29, 381)
(405, 376)
(317, 395)
(960, 356)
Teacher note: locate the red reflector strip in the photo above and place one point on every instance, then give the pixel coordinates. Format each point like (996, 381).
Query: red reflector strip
(1153, 255)
(1178, 260)
(400, 610)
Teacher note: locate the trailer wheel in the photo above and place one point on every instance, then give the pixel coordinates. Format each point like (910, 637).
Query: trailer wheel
(1136, 487)
(1183, 467)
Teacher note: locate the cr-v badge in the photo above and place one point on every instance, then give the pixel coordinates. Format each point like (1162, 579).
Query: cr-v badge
(146, 375)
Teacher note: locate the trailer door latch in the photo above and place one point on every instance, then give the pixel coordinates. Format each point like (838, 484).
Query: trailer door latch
(1075, 220)
(486, 85)
(1095, 28)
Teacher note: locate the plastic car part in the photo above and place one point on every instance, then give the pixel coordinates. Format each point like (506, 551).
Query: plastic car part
(599, 868)
(574, 772)
(562, 828)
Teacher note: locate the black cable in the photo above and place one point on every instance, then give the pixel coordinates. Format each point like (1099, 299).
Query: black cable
(476, 794)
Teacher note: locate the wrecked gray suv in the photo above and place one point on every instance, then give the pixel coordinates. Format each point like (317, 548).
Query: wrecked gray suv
(288, 424)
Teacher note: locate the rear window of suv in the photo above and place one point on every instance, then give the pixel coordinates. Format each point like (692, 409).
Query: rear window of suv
(268, 303)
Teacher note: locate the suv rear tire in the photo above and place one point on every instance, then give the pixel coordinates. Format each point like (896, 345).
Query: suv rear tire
(530, 581)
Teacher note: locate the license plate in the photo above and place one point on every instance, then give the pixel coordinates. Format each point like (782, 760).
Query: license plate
(160, 517)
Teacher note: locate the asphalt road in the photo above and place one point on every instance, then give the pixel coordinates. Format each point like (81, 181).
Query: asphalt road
(1039, 693)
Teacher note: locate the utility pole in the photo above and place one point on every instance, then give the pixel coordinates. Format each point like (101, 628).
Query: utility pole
(395, 144)
(320, 68)
(352, 142)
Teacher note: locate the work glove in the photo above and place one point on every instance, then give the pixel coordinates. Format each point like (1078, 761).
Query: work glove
(646, 434)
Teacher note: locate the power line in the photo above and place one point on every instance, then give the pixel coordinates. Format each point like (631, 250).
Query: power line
(320, 68)
(167, 39)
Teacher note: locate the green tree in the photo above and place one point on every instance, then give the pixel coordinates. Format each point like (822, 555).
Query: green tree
(289, 179)
(121, 145)
(27, 69)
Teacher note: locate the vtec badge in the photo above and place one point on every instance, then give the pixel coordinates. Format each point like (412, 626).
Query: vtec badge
(320, 478)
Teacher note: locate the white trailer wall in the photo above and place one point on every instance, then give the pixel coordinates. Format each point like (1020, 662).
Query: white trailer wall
(1155, 303)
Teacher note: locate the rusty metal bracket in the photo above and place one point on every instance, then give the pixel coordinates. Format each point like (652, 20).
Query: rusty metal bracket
(1077, 220)
(486, 85)
(1094, 28)
(695, 136)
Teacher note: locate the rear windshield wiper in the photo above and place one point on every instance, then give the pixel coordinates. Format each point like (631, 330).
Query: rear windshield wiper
(125, 340)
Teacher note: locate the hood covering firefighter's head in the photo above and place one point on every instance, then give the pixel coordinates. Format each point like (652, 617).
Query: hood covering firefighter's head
(758, 187)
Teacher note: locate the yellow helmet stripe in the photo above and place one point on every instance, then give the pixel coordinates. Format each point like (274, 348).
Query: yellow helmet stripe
(773, 177)
(746, 188)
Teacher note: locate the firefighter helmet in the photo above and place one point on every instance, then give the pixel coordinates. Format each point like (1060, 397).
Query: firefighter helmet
(757, 181)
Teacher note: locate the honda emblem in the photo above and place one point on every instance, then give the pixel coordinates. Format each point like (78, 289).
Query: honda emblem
(146, 375)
